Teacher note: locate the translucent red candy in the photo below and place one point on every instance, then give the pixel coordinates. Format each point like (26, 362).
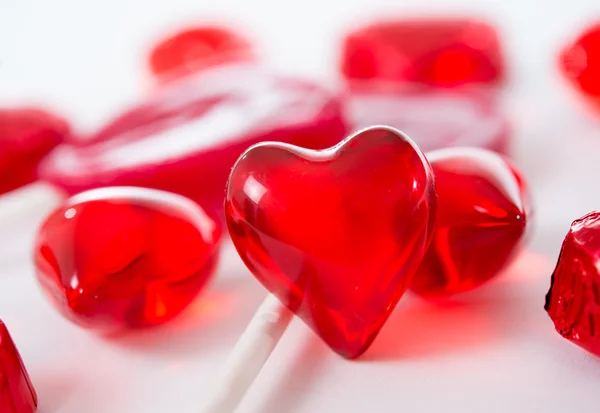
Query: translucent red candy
(444, 52)
(335, 235)
(481, 221)
(26, 135)
(116, 258)
(580, 62)
(434, 118)
(17, 394)
(573, 301)
(197, 48)
(188, 137)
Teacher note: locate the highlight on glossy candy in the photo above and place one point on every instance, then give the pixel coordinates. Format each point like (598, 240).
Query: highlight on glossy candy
(26, 136)
(124, 257)
(195, 48)
(435, 118)
(341, 264)
(17, 394)
(436, 52)
(580, 63)
(573, 301)
(482, 217)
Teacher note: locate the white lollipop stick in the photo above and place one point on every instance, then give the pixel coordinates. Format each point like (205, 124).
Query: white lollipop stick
(249, 355)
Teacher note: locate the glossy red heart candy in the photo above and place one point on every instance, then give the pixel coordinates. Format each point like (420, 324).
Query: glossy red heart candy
(196, 48)
(436, 52)
(336, 235)
(17, 394)
(573, 301)
(115, 258)
(26, 136)
(481, 221)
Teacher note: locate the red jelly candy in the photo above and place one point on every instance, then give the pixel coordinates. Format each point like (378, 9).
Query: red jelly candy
(188, 137)
(573, 301)
(480, 224)
(580, 62)
(335, 235)
(26, 136)
(125, 257)
(17, 394)
(197, 48)
(434, 118)
(434, 52)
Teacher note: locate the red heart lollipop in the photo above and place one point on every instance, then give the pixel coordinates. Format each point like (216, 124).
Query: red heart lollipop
(125, 257)
(480, 224)
(336, 234)
(17, 394)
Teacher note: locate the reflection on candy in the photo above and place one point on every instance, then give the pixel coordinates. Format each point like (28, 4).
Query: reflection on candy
(573, 301)
(444, 52)
(113, 258)
(17, 394)
(187, 138)
(26, 136)
(336, 235)
(197, 48)
(481, 221)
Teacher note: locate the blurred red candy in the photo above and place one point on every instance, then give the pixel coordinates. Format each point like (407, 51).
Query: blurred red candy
(580, 62)
(17, 394)
(116, 258)
(480, 224)
(188, 137)
(573, 301)
(445, 52)
(197, 48)
(434, 118)
(26, 135)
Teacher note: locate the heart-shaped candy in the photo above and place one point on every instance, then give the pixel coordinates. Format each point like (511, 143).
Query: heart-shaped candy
(481, 220)
(336, 235)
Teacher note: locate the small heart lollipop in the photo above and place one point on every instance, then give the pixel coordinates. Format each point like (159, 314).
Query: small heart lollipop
(123, 257)
(17, 394)
(481, 221)
(335, 235)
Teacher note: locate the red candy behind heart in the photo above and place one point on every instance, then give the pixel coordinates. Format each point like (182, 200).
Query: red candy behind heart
(196, 48)
(337, 234)
(436, 52)
(481, 221)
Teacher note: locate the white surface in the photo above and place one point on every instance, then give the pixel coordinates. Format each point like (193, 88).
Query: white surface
(492, 351)
(249, 355)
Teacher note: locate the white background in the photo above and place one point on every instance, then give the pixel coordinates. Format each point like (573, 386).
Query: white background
(491, 351)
